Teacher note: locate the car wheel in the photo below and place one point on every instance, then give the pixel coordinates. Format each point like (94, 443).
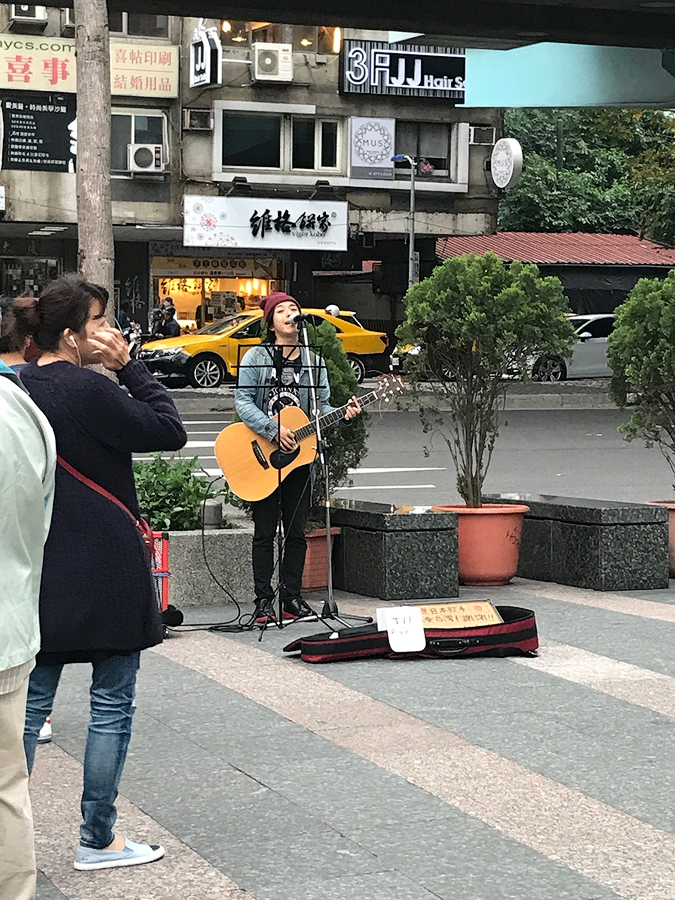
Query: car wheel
(358, 368)
(549, 368)
(206, 372)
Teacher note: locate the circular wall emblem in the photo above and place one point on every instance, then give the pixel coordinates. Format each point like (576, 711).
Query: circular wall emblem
(506, 164)
(373, 144)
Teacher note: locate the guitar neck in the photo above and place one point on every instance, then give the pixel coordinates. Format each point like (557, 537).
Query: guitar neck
(334, 417)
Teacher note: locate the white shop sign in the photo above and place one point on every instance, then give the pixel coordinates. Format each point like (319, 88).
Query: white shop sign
(371, 143)
(264, 224)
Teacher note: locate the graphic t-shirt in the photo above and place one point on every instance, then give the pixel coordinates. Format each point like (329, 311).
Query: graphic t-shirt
(286, 390)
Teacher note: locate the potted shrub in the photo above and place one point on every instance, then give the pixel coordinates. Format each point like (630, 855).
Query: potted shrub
(478, 322)
(641, 355)
(170, 493)
(346, 447)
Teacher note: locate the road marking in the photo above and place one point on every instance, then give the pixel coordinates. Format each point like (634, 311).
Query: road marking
(191, 445)
(376, 471)
(384, 487)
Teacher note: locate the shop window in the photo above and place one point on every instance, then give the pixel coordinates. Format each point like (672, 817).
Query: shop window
(303, 38)
(134, 127)
(429, 142)
(140, 24)
(314, 144)
(250, 140)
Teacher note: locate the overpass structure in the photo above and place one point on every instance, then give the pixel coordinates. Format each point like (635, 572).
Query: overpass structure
(619, 23)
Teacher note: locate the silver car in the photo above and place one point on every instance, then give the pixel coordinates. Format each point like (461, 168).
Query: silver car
(589, 357)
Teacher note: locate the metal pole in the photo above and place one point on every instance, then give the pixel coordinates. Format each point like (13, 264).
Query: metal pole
(411, 233)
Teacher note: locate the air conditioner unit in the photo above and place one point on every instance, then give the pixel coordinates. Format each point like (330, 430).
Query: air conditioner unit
(197, 120)
(67, 23)
(485, 135)
(145, 159)
(28, 18)
(273, 62)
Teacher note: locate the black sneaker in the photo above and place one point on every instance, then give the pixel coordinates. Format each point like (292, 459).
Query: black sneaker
(298, 609)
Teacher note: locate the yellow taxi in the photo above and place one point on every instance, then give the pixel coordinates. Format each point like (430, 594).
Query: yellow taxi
(211, 356)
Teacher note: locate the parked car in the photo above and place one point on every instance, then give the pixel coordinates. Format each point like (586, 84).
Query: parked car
(589, 357)
(210, 356)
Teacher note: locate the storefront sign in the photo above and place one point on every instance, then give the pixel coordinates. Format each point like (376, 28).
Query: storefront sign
(206, 58)
(374, 67)
(39, 132)
(29, 63)
(265, 224)
(213, 267)
(506, 164)
(371, 143)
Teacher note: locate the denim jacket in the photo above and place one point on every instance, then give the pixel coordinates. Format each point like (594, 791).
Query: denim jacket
(255, 376)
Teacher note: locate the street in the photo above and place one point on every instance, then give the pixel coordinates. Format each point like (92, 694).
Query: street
(575, 453)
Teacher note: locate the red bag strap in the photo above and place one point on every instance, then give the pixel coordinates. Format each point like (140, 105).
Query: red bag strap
(96, 487)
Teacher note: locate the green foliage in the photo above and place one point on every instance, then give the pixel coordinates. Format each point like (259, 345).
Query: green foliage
(477, 322)
(617, 173)
(641, 354)
(347, 443)
(170, 493)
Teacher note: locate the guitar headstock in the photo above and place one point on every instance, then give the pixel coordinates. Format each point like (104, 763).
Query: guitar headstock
(388, 386)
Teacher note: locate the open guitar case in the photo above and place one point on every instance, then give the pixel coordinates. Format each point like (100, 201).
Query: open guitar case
(516, 635)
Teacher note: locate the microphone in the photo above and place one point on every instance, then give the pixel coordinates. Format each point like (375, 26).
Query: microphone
(297, 318)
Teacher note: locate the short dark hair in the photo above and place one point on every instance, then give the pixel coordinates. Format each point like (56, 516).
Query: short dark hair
(64, 303)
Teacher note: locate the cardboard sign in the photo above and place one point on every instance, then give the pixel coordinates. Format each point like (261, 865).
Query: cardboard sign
(460, 614)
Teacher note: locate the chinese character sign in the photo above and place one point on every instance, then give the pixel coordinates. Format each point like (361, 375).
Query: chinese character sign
(265, 224)
(40, 132)
(36, 63)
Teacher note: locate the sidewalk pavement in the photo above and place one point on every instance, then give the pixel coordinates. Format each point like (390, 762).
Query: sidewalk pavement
(581, 394)
(548, 778)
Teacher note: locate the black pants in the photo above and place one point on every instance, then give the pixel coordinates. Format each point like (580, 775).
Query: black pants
(295, 499)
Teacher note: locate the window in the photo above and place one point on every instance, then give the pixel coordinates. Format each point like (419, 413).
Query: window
(303, 38)
(597, 328)
(138, 24)
(134, 127)
(278, 141)
(429, 142)
(250, 140)
(252, 330)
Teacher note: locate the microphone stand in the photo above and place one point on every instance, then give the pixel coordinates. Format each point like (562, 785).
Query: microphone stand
(330, 608)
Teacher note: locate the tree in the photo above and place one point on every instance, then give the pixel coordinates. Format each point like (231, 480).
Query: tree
(96, 252)
(641, 354)
(593, 170)
(477, 322)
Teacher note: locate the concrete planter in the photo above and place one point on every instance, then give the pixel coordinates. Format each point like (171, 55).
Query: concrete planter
(228, 552)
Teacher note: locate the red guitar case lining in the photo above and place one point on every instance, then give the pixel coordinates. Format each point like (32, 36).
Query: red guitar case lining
(517, 634)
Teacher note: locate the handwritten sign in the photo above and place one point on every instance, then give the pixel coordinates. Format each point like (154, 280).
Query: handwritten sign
(48, 64)
(461, 614)
(404, 628)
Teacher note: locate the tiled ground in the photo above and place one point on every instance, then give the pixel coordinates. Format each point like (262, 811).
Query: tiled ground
(265, 778)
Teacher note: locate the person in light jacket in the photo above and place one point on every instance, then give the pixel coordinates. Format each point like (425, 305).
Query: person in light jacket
(27, 460)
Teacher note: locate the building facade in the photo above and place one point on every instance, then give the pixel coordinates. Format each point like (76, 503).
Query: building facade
(246, 156)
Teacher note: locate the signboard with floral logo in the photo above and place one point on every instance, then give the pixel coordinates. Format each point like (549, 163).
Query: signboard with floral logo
(372, 144)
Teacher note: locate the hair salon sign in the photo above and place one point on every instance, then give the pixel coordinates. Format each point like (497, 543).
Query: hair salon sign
(375, 67)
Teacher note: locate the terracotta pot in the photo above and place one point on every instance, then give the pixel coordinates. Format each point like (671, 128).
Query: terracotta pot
(315, 574)
(489, 541)
(670, 506)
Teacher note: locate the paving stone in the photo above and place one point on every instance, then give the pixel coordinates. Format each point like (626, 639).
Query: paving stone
(46, 890)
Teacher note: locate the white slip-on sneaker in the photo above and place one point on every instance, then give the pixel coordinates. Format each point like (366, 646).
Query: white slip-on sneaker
(45, 735)
(133, 854)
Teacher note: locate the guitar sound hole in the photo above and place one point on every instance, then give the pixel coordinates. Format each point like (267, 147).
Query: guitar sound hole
(281, 459)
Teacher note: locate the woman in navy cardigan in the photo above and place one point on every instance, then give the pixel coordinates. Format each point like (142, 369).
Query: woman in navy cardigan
(97, 602)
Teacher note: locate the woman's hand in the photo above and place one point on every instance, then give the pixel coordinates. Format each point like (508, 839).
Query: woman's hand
(110, 349)
(286, 438)
(353, 408)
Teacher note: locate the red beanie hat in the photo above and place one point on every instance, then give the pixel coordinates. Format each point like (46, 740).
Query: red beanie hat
(268, 304)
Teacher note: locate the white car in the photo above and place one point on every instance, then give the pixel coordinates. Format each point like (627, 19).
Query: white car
(589, 357)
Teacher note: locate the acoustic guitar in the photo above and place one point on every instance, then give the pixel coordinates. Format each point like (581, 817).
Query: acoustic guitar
(253, 466)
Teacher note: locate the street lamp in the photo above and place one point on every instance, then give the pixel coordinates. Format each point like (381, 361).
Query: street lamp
(412, 162)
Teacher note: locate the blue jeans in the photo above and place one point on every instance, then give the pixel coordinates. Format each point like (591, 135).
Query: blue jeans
(112, 692)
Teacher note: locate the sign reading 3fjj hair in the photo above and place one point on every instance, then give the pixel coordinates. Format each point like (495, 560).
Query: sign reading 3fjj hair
(259, 222)
(374, 67)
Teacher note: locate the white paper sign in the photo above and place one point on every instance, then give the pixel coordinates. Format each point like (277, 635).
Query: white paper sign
(262, 223)
(404, 628)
